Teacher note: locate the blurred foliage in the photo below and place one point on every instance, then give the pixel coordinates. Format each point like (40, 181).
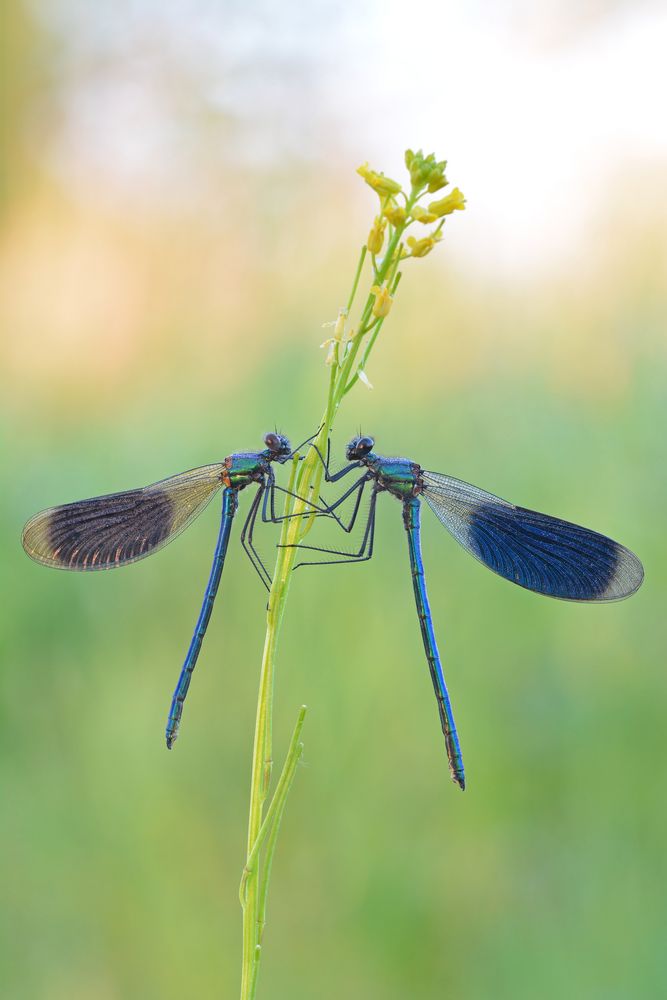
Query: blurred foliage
(140, 340)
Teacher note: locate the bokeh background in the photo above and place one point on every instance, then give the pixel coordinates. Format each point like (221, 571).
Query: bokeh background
(180, 215)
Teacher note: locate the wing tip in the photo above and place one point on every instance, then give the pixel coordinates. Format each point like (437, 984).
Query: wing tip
(627, 577)
(35, 530)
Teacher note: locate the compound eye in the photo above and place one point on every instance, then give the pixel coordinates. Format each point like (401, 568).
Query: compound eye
(358, 448)
(351, 450)
(272, 441)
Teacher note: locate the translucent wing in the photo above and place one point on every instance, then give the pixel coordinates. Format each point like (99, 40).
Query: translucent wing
(121, 527)
(538, 552)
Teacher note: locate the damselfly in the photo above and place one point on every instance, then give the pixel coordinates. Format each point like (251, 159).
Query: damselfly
(121, 528)
(535, 551)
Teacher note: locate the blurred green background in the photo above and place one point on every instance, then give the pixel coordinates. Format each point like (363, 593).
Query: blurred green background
(180, 214)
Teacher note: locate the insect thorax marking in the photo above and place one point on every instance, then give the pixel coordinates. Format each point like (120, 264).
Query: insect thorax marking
(244, 468)
(399, 476)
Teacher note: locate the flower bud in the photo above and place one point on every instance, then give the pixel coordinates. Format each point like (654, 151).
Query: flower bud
(339, 332)
(383, 301)
(436, 181)
(421, 215)
(331, 353)
(376, 236)
(339, 325)
(425, 170)
(452, 202)
(381, 184)
(420, 248)
(394, 212)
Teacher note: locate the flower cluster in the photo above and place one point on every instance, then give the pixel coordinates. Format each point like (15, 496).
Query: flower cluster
(400, 209)
(425, 171)
(388, 244)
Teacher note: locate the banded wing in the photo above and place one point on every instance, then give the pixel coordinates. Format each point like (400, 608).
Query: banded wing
(533, 550)
(121, 527)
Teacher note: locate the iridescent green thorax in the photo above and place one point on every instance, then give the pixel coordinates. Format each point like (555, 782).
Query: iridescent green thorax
(399, 476)
(243, 468)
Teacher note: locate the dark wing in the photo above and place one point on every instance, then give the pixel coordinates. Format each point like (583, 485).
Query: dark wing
(538, 552)
(121, 527)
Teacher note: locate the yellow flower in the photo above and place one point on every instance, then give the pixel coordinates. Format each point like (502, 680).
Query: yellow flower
(421, 215)
(383, 301)
(376, 235)
(383, 185)
(452, 202)
(394, 213)
(420, 248)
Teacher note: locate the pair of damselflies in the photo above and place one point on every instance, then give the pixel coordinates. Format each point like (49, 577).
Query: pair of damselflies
(538, 552)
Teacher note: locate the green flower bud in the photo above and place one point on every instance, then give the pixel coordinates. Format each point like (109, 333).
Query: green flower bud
(436, 182)
(425, 170)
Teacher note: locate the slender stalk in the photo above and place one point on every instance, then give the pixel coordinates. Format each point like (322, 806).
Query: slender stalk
(279, 801)
(274, 813)
(308, 478)
(361, 367)
(305, 481)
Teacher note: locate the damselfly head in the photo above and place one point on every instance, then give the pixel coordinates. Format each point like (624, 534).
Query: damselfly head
(358, 448)
(278, 445)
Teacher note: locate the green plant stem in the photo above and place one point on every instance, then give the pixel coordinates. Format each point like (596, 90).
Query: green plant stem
(273, 816)
(371, 340)
(261, 766)
(293, 758)
(305, 481)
